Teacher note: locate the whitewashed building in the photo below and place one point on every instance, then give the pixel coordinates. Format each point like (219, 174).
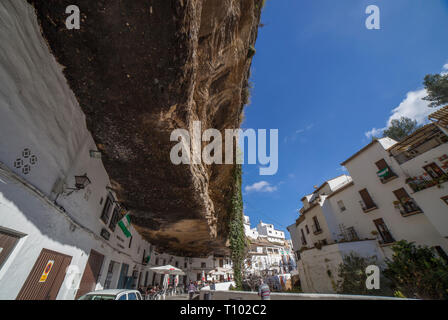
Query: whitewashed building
(372, 208)
(269, 251)
(59, 236)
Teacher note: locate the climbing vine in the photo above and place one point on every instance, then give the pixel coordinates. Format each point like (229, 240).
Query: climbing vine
(236, 232)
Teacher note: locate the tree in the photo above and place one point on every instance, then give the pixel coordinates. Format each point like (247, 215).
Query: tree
(417, 272)
(437, 87)
(400, 128)
(352, 276)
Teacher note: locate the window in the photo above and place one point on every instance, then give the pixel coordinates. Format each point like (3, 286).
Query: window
(367, 202)
(130, 241)
(406, 204)
(303, 237)
(385, 173)
(341, 205)
(441, 253)
(203, 265)
(157, 261)
(115, 219)
(132, 296)
(434, 171)
(8, 242)
(316, 226)
(107, 208)
(307, 229)
(383, 231)
(123, 297)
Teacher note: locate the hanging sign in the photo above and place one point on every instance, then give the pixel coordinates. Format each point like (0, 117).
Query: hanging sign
(47, 270)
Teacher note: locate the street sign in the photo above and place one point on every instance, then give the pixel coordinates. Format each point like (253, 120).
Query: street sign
(47, 270)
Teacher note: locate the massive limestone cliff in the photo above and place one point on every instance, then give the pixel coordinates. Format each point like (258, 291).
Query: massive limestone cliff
(142, 68)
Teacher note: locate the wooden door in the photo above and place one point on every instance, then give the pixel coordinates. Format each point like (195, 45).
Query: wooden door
(91, 273)
(46, 277)
(7, 243)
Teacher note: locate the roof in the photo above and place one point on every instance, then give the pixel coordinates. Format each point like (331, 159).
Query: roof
(440, 116)
(385, 143)
(348, 185)
(425, 132)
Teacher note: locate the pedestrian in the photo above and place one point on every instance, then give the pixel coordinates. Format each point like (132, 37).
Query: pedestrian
(213, 285)
(191, 290)
(263, 291)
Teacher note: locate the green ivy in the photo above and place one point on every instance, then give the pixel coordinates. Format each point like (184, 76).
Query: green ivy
(236, 232)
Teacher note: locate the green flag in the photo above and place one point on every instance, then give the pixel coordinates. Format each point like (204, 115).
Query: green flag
(125, 225)
(383, 173)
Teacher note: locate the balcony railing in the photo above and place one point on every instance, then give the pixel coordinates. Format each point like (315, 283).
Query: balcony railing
(365, 208)
(317, 230)
(408, 207)
(421, 183)
(386, 175)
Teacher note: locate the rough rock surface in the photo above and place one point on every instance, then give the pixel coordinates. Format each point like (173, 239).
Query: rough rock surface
(142, 68)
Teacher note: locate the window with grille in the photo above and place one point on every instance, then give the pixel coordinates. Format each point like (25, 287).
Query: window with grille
(105, 215)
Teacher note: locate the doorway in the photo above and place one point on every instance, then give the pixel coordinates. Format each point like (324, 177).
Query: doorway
(46, 277)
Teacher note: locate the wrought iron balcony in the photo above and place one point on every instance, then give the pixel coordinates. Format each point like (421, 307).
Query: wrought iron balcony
(365, 208)
(408, 207)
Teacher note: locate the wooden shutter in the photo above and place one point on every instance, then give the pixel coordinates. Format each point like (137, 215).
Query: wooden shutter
(7, 243)
(381, 164)
(366, 198)
(400, 194)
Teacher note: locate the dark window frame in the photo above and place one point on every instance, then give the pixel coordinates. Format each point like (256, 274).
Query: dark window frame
(115, 219)
(108, 207)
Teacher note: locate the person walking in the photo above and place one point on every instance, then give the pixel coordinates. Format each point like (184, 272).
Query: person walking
(191, 290)
(263, 291)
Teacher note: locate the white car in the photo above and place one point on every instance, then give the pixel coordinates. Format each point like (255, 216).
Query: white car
(112, 294)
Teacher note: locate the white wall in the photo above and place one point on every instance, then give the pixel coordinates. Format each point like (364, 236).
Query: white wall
(415, 228)
(314, 264)
(429, 199)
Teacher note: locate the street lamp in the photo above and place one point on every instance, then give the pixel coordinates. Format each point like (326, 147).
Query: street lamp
(80, 182)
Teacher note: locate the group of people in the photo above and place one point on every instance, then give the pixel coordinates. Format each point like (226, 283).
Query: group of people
(152, 291)
(193, 287)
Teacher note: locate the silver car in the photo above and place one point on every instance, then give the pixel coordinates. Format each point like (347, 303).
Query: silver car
(112, 294)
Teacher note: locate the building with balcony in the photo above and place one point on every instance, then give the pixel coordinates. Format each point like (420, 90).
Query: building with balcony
(269, 252)
(270, 233)
(372, 208)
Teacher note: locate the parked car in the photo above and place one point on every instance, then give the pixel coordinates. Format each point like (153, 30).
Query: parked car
(112, 294)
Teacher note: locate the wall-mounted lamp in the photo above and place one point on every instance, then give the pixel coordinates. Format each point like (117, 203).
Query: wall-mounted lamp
(81, 182)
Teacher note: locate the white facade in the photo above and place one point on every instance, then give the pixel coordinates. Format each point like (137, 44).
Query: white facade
(45, 144)
(269, 250)
(366, 214)
(273, 235)
(251, 233)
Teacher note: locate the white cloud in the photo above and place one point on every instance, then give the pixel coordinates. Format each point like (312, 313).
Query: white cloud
(261, 186)
(294, 136)
(411, 107)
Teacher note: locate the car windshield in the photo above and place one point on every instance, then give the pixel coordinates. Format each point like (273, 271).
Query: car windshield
(97, 297)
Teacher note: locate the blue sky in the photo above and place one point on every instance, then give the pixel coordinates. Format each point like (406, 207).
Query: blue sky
(325, 81)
